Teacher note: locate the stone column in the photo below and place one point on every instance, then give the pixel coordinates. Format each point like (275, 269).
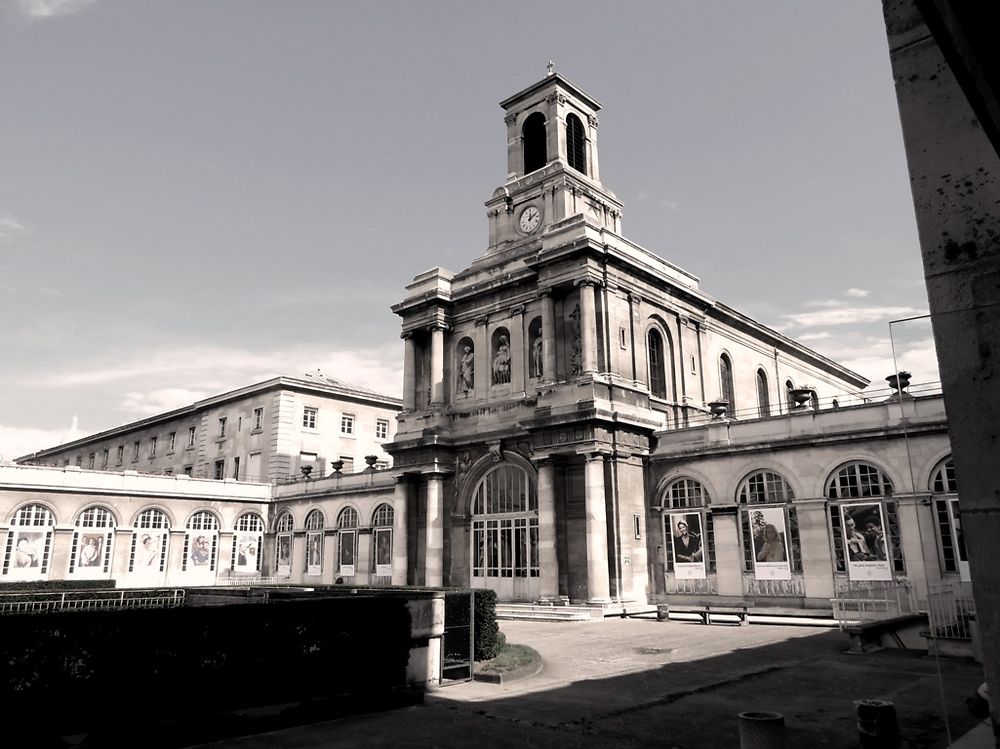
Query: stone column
(728, 558)
(437, 365)
(588, 327)
(434, 533)
(400, 508)
(598, 579)
(548, 563)
(364, 567)
(409, 372)
(482, 371)
(518, 350)
(548, 336)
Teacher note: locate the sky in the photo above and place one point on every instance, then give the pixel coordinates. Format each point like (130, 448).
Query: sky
(200, 194)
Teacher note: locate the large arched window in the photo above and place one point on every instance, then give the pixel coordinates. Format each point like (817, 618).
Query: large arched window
(533, 142)
(954, 556)
(248, 540)
(657, 364)
(864, 532)
(283, 544)
(150, 541)
(688, 532)
(382, 520)
(201, 542)
(90, 555)
(769, 526)
(505, 528)
(29, 543)
(763, 396)
(314, 542)
(576, 143)
(347, 540)
(726, 382)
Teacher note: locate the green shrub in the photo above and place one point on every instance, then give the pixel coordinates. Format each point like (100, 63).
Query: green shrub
(487, 631)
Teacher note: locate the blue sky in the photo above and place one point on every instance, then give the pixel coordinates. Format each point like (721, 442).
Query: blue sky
(196, 194)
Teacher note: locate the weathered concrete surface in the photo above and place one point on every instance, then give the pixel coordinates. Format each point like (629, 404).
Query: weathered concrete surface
(646, 683)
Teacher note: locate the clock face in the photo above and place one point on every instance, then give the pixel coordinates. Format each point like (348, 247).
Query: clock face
(531, 217)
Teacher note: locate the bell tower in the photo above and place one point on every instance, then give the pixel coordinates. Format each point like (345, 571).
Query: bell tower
(552, 165)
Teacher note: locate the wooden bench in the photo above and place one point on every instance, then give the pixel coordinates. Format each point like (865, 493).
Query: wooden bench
(704, 611)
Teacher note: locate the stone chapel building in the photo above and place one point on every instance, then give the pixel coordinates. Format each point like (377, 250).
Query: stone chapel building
(536, 379)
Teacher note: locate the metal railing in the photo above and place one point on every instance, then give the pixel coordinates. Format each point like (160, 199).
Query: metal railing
(247, 582)
(90, 600)
(950, 610)
(863, 601)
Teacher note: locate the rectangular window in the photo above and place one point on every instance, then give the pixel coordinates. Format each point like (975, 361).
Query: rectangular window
(188, 470)
(239, 424)
(347, 424)
(309, 417)
(381, 465)
(637, 524)
(220, 469)
(152, 447)
(222, 427)
(694, 369)
(623, 337)
(191, 432)
(121, 454)
(79, 460)
(104, 458)
(258, 418)
(381, 429)
(236, 468)
(135, 451)
(93, 459)
(171, 441)
(348, 464)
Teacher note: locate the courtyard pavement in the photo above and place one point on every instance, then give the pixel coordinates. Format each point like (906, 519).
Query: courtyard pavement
(631, 683)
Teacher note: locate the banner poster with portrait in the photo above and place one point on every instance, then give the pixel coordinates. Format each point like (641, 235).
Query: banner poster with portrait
(27, 554)
(247, 552)
(283, 554)
(200, 551)
(687, 544)
(90, 552)
(383, 552)
(147, 556)
(314, 552)
(769, 539)
(347, 545)
(865, 549)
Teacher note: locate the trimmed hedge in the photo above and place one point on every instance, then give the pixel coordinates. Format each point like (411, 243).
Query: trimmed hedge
(487, 629)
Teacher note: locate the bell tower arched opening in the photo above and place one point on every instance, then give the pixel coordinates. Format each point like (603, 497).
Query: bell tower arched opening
(533, 140)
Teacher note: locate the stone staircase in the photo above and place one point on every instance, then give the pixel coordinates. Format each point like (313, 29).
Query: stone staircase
(548, 612)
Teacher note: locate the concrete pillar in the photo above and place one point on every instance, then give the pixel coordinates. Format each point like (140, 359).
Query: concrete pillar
(588, 327)
(434, 533)
(409, 372)
(548, 562)
(814, 539)
(548, 336)
(728, 558)
(400, 508)
(437, 365)
(598, 580)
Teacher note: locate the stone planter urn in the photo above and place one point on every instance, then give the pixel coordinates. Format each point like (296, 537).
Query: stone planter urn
(371, 460)
(899, 381)
(337, 466)
(802, 398)
(719, 409)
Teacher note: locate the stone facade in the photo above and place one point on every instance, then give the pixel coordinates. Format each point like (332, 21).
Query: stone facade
(554, 359)
(263, 432)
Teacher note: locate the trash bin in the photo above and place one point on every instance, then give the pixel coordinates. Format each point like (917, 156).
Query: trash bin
(877, 724)
(762, 730)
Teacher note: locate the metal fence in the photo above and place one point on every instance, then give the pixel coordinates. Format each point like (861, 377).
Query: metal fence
(246, 582)
(90, 600)
(950, 610)
(459, 636)
(863, 601)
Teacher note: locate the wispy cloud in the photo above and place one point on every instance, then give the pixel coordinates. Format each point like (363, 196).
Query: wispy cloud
(52, 8)
(11, 228)
(849, 316)
(158, 401)
(669, 205)
(18, 441)
(857, 293)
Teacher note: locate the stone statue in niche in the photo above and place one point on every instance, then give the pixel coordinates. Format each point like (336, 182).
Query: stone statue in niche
(537, 356)
(467, 370)
(501, 362)
(576, 355)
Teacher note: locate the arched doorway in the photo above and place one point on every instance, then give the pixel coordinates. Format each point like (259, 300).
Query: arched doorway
(505, 534)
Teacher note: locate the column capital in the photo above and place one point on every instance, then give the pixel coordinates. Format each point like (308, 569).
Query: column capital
(517, 309)
(588, 282)
(442, 326)
(593, 455)
(483, 320)
(406, 335)
(546, 291)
